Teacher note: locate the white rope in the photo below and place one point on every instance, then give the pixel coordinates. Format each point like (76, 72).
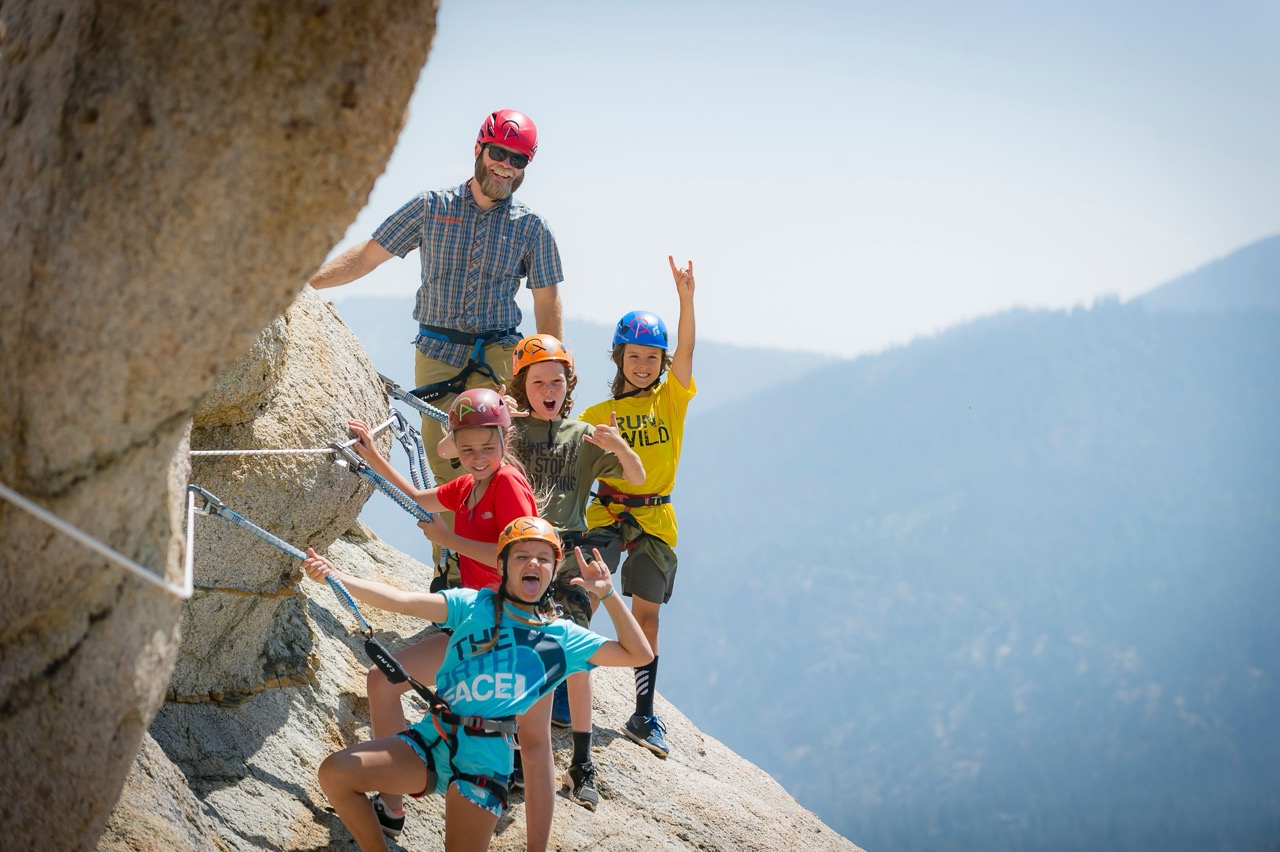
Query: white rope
(195, 453)
(182, 593)
(312, 450)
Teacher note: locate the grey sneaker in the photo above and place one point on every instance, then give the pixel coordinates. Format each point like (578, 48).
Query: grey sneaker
(391, 825)
(580, 779)
(649, 732)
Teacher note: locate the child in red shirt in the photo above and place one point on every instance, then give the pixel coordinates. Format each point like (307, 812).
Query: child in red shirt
(489, 495)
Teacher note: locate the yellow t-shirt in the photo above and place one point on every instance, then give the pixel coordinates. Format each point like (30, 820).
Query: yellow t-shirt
(654, 427)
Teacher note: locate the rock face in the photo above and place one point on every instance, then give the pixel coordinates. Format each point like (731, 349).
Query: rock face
(304, 377)
(171, 173)
(157, 810)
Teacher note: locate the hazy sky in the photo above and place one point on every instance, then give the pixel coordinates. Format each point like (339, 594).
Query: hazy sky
(847, 175)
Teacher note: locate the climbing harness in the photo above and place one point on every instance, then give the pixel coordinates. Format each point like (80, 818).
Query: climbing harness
(608, 495)
(498, 788)
(475, 363)
(378, 653)
(182, 592)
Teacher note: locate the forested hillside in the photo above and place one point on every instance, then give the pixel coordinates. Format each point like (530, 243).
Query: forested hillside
(1013, 587)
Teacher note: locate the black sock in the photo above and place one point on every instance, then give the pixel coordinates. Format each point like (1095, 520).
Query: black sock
(646, 680)
(581, 747)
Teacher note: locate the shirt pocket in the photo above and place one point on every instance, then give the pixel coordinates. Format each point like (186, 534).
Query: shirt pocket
(505, 259)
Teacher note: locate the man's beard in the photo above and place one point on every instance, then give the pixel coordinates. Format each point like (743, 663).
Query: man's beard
(491, 188)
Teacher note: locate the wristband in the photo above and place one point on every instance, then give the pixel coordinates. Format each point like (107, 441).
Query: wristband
(604, 598)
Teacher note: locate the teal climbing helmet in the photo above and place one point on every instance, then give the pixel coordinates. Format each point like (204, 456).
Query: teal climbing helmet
(641, 328)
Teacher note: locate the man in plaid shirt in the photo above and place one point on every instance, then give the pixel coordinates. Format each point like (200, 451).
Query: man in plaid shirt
(475, 243)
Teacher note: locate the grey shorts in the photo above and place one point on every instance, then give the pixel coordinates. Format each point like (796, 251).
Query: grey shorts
(649, 571)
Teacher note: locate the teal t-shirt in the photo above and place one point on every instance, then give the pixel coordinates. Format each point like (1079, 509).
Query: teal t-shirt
(525, 664)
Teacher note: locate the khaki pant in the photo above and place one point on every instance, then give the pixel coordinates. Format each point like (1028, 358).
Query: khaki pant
(428, 371)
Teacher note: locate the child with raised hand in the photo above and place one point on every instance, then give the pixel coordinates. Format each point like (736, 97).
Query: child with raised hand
(489, 495)
(491, 492)
(650, 414)
(563, 458)
(481, 676)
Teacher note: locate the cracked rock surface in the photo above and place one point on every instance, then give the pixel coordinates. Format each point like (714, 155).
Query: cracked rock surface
(170, 174)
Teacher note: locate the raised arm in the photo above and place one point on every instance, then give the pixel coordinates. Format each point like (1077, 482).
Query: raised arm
(424, 497)
(547, 312)
(631, 648)
(356, 262)
(606, 437)
(682, 358)
(426, 605)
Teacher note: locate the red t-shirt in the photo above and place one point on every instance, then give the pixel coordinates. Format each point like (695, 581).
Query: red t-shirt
(508, 497)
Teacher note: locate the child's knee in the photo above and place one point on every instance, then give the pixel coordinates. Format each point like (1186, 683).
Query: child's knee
(648, 619)
(376, 682)
(334, 771)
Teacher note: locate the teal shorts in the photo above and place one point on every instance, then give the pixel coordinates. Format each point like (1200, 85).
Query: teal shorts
(436, 756)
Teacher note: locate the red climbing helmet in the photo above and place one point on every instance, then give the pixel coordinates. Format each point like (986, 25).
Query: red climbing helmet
(510, 129)
(478, 407)
(528, 529)
(539, 347)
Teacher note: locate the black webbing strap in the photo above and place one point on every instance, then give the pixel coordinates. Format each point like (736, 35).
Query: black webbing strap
(475, 363)
(632, 501)
(464, 338)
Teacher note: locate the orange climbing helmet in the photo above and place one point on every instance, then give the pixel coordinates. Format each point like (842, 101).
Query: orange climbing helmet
(528, 529)
(539, 347)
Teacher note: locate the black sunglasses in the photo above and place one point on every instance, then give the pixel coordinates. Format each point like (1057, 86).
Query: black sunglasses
(502, 155)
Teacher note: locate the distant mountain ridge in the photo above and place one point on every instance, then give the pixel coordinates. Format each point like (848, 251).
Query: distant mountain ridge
(1247, 279)
(1008, 587)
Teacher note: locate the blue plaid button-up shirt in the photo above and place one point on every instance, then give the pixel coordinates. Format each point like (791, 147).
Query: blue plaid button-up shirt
(472, 263)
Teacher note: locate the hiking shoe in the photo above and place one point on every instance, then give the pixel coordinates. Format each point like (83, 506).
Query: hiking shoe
(560, 716)
(581, 781)
(391, 825)
(649, 731)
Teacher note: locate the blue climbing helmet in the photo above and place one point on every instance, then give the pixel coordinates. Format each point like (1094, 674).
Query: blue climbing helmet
(641, 328)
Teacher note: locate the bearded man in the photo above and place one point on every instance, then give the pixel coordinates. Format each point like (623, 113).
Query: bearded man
(475, 243)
